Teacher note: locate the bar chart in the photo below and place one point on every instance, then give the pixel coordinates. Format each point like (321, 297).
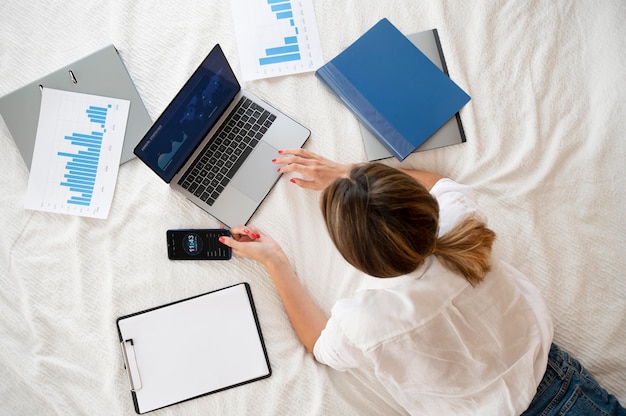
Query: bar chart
(276, 37)
(289, 51)
(77, 153)
(82, 166)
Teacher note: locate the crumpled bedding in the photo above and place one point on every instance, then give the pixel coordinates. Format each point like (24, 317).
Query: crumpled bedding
(545, 154)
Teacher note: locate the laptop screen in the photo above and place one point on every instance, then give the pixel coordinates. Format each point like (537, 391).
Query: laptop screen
(188, 118)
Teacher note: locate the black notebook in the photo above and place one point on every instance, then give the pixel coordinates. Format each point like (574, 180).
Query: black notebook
(193, 347)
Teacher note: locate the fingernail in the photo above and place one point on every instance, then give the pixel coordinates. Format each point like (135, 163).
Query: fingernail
(278, 170)
(221, 239)
(246, 231)
(292, 180)
(273, 160)
(280, 152)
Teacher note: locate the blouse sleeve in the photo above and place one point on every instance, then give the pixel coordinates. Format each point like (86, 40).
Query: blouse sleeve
(333, 347)
(456, 202)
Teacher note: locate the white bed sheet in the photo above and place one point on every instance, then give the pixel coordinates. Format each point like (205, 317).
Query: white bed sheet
(545, 153)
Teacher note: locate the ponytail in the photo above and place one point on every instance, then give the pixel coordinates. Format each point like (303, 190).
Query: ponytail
(385, 223)
(467, 249)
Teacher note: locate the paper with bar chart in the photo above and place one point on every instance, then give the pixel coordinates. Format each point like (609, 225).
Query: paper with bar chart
(77, 153)
(276, 37)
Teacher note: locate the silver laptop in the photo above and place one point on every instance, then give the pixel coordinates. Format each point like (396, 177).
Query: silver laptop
(215, 143)
(101, 73)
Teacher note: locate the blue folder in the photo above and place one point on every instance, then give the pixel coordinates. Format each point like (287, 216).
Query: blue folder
(393, 89)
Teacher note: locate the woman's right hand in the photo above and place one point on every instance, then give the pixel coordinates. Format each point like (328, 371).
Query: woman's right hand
(319, 170)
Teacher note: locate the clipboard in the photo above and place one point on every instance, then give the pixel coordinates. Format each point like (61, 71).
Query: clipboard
(100, 73)
(193, 347)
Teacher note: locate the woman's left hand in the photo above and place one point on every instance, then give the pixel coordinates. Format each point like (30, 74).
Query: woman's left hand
(246, 241)
(305, 316)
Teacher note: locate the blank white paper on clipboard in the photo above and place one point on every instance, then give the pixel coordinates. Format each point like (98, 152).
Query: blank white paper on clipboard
(193, 347)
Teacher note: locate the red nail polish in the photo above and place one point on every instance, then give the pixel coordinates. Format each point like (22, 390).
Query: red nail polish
(280, 152)
(221, 239)
(246, 231)
(257, 236)
(273, 160)
(292, 180)
(278, 170)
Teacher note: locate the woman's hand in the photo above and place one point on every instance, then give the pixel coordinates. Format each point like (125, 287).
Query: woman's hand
(320, 171)
(306, 317)
(246, 241)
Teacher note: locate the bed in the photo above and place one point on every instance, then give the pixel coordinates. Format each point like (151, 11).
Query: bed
(545, 154)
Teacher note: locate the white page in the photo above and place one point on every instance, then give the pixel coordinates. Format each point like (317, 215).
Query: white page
(276, 37)
(195, 347)
(77, 153)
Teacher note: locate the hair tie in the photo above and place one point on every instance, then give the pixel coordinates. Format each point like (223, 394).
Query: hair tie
(434, 248)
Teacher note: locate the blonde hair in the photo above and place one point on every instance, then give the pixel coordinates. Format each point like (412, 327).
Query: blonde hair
(385, 224)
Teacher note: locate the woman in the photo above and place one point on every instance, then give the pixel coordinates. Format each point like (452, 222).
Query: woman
(445, 326)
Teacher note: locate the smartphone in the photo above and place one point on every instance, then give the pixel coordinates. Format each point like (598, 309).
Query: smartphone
(197, 244)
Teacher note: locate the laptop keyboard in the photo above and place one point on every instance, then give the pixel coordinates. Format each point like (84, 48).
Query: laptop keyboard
(218, 162)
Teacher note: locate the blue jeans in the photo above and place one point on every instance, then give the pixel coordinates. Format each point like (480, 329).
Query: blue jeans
(567, 388)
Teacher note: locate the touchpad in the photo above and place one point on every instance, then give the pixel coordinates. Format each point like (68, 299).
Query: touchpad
(257, 175)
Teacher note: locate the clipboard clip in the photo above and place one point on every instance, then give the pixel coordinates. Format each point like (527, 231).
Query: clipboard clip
(130, 364)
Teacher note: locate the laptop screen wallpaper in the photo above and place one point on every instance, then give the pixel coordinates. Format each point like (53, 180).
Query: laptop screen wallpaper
(189, 117)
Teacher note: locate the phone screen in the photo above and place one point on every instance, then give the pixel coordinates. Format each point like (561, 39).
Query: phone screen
(197, 244)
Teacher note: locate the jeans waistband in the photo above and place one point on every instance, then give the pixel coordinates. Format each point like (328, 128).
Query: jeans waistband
(560, 365)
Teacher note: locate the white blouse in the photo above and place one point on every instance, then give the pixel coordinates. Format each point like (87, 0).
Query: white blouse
(439, 345)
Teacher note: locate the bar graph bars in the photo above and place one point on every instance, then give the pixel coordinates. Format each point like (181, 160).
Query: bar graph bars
(289, 50)
(276, 37)
(97, 114)
(82, 167)
(77, 153)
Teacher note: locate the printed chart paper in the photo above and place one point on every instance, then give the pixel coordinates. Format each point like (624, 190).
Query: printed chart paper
(276, 37)
(77, 153)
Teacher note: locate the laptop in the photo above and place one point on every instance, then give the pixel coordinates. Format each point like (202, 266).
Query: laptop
(101, 73)
(215, 143)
